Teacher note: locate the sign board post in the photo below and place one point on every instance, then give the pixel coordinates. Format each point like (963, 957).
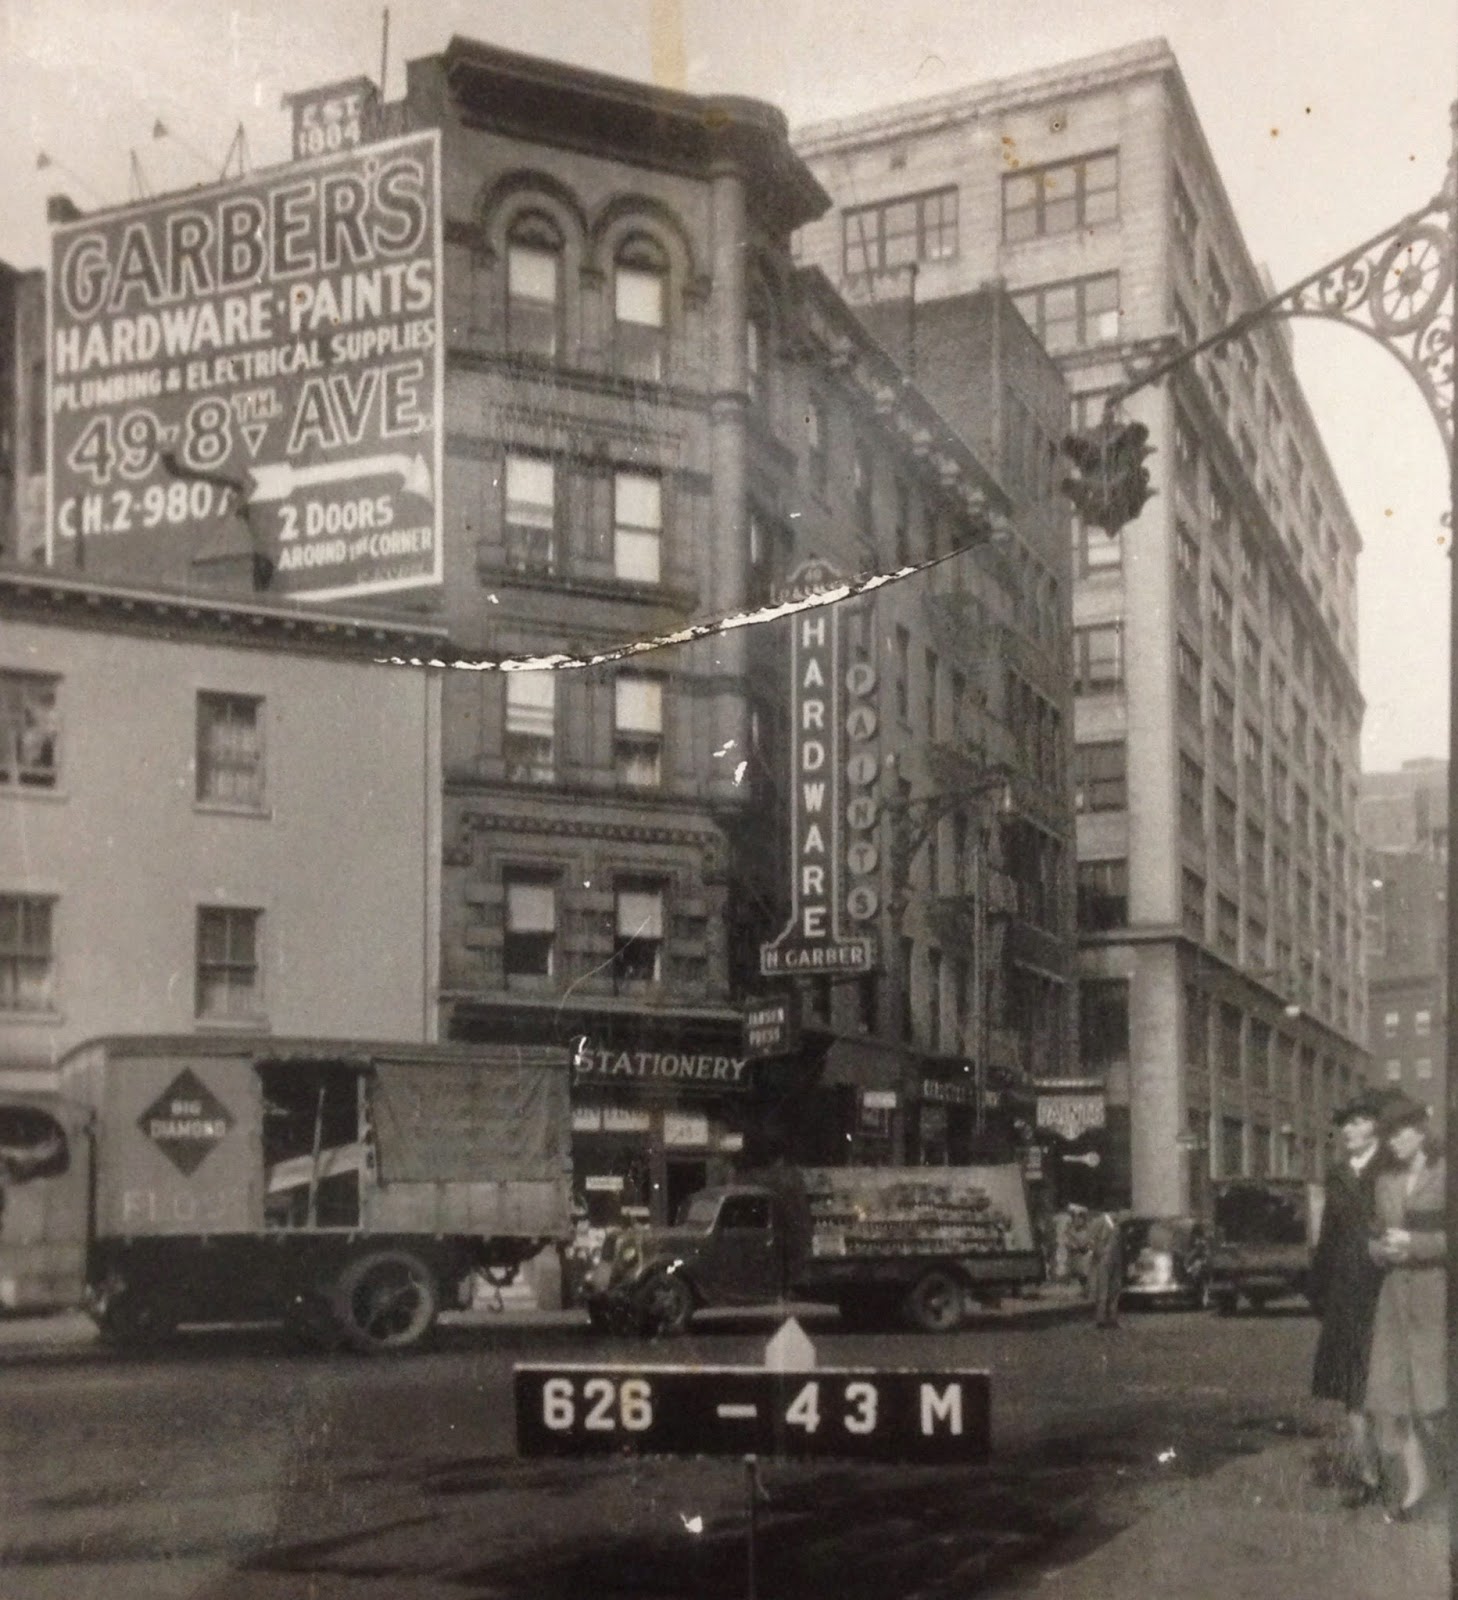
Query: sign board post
(255, 369)
(789, 1409)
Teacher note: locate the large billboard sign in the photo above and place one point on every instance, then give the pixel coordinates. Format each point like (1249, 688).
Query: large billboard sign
(256, 367)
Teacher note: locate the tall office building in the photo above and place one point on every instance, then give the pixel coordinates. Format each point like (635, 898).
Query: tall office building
(1405, 832)
(1217, 709)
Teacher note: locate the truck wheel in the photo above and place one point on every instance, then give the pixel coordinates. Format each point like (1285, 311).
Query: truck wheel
(132, 1319)
(665, 1305)
(935, 1303)
(385, 1301)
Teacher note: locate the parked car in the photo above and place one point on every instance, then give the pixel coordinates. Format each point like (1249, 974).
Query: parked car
(1166, 1262)
(1265, 1232)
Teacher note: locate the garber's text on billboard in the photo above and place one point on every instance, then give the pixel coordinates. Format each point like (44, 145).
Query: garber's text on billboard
(266, 352)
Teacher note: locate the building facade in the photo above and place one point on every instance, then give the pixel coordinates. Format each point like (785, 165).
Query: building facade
(1405, 830)
(1217, 709)
(655, 421)
(212, 815)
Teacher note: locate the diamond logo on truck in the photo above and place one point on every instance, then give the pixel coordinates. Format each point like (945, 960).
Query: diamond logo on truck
(186, 1122)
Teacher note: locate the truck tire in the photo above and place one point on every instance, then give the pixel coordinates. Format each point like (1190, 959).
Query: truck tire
(385, 1301)
(665, 1306)
(935, 1302)
(132, 1319)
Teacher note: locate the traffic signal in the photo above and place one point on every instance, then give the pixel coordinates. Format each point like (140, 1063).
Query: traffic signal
(1112, 485)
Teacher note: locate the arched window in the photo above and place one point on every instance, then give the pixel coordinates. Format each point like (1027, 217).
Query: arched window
(534, 288)
(640, 310)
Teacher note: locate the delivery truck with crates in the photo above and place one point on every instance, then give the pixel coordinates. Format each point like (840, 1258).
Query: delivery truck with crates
(921, 1244)
(352, 1189)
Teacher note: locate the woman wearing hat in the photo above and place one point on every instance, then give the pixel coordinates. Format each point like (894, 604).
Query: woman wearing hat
(1344, 1285)
(1407, 1386)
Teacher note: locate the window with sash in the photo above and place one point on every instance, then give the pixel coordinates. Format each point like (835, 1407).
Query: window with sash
(638, 730)
(529, 740)
(529, 936)
(27, 952)
(638, 527)
(229, 975)
(530, 514)
(638, 923)
(1060, 198)
(897, 233)
(29, 731)
(640, 311)
(534, 288)
(230, 750)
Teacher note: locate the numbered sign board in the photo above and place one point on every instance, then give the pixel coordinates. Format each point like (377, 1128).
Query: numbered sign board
(858, 1413)
(255, 368)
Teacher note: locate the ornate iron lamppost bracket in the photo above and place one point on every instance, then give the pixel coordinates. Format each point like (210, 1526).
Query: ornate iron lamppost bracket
(1394, 288)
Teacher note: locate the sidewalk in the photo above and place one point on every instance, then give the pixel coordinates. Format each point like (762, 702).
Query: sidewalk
(1258, 1529)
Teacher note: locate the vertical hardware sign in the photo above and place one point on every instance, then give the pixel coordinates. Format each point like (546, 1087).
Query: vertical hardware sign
(255, 367)
(814, 940)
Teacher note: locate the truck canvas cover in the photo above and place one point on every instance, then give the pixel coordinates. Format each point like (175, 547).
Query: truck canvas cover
(495, 1115)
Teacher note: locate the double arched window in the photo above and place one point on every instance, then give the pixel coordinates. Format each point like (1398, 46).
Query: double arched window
(534, 287)
(640, 309)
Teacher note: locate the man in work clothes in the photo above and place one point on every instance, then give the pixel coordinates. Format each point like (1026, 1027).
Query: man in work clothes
(1106, 1268)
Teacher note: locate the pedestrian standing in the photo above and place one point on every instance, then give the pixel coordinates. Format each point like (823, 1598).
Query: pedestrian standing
(1106, 1265)
(1343, 1290)
(1407, 1378)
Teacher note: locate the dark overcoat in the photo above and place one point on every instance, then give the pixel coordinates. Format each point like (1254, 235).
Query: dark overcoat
(1409, 1368)
(1345, 1283)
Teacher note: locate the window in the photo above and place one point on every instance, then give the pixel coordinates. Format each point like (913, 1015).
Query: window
(229, 986)
(29, 738)
(934, 1000)
(1187, 562)
(1422, 1067)
(1061, 198)
(1100, 551)
(1192, 796)
(903, 524)
(895, 233)
(1224, 828)
(933, 699)
(1101, 780)
(754, 369)
(637, 527)
(531, 514)
(1227, 926)
(746, 1211)
(1222, 617)
(638, 929)
(862, 476)
(1098, 658)
(534, 288)
(1222, 720)
(1255, 856)
(640, 310)
(1422, 1023)
(529, 745)
(1250, 657)
(638, 730)
(1186, 223)
(817, 445)
(528, 946)
(27, 956)
(1189, 670)
(1186, 452)
(1253, 748)
(230, 750)
(1192, 903)
(1075, 314)
(1392, 1067)
(1103, 895)
(1217, 292)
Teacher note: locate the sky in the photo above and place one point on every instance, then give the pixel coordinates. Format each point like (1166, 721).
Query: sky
(1328, 120)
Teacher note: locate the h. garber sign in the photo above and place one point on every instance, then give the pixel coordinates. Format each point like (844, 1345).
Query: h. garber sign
(255, 366)
(704, 1071)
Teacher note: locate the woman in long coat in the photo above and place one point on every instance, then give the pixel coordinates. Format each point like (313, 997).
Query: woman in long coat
(1407, 1378)
(1343, 1287)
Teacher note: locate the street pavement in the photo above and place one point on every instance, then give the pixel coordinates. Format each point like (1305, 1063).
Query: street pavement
(1171, 1458)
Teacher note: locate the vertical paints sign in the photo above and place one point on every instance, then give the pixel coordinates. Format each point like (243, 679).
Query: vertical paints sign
(255, 368)
(813, 940)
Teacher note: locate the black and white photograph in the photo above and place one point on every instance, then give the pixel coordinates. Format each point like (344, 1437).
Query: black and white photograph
(726, 745)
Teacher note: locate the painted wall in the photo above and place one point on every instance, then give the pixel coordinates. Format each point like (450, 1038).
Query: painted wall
(342, 859)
